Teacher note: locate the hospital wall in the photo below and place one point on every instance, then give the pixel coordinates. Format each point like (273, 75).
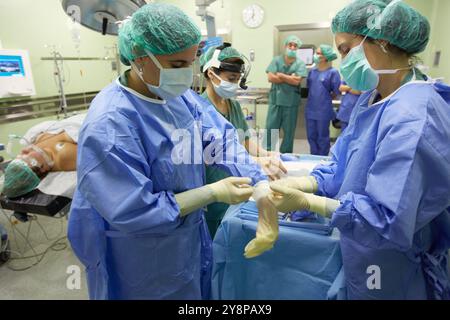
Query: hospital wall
(31, 24)
(34, 30)
(440, 23)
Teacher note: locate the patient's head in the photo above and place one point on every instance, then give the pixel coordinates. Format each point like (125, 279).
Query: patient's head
(19, 179)
(37, 159)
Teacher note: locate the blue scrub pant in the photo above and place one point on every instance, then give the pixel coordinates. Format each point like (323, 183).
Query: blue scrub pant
(318, 132)
(280, 117)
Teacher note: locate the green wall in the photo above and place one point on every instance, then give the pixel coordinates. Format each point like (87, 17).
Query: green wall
(32, 31)
(32, 24)
(440, 39)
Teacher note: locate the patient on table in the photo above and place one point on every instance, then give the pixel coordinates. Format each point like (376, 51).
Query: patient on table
(51, 147)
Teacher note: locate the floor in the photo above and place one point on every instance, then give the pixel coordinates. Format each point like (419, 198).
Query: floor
(49, 279)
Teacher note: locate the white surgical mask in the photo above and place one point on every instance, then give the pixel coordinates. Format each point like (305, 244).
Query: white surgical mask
(172, 82)
(225, 89)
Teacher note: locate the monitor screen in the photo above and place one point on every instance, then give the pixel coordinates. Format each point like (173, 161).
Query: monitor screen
(307, 55)
(11, 66)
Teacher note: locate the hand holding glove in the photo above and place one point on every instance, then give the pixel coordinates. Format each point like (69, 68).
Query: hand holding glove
(232, 190)
(287, 199)
(267, 229)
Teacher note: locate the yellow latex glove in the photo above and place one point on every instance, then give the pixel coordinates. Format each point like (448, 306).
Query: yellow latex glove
(272, 166)
(267, 229)
(306, 184)
(287, 199)
(232, 190)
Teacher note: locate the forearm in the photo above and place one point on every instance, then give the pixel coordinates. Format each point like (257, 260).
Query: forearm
(255, 149)
(192, 200)
(292, 80)
(322, 205)
(343, 88)
(276, 79)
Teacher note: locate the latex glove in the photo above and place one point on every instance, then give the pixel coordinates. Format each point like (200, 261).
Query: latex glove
(287, 199)
(267, 229)
(272, 166)
(232, 190)
(306, 184)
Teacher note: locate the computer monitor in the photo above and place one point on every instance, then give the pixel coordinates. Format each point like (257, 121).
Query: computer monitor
(16, 78)
(11, 66)
(307, 55)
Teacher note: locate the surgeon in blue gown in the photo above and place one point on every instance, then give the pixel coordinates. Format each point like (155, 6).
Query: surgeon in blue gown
(387, 188)
(323, 85)
(136, 219)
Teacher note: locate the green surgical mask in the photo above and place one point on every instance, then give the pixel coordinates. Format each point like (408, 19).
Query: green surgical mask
(358, 73)
(291, 53)
(316, 59)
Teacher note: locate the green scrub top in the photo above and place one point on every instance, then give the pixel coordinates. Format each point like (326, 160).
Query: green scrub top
(123, 79)
(217, 210)
(409, 77)
(285, 94)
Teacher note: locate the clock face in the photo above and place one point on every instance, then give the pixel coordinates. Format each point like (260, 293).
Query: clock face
(253, 16)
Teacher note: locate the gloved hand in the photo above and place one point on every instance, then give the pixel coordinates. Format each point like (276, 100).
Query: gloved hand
(287, 199)
(306, 184)
(272, 166)
(267, 229)
(232, 190)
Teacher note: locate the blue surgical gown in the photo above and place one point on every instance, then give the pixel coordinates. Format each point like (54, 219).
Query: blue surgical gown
(125, 223)
(391, 173)
(321, 84)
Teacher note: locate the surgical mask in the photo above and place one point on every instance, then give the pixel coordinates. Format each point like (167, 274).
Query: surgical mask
(172, 82)
(33, 162)
(316, 59)
(225, 89)
(358, 73)
(291, 53)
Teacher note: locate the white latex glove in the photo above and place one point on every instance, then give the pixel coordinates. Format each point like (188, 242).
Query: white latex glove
(267, 229)
(232, 190)
(287, 199)
(272, 166)
(306, 184)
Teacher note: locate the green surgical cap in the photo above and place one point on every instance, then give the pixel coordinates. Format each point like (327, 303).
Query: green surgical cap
(399, 24)
(293, 39)
(159, 28)
(19, 179)
(328, 52)
(225, 54)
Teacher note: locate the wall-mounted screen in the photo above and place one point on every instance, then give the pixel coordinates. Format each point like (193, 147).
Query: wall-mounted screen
(11, 66)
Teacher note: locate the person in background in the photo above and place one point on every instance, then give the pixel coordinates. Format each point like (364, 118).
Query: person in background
(323, 86)
(223, 68)
(349, 99)
(390, 170)
(285, 73)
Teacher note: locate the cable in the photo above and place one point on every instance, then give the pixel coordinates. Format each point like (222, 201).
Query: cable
(56, 245)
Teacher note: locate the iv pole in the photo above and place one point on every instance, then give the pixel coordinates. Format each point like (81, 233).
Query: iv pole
(63, 105)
